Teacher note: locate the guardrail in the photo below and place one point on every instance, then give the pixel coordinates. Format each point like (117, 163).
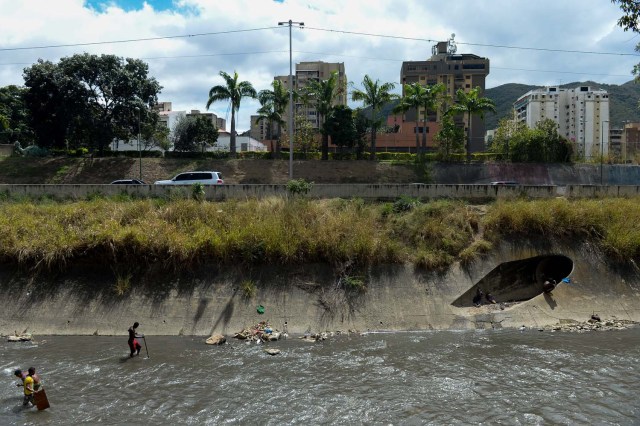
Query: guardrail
(364, 191)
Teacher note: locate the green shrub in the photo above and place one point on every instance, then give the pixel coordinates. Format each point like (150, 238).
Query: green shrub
(197, 191)
(249, 289)
(299, 187)
(354, 283)
(405, 204)
(122, 285)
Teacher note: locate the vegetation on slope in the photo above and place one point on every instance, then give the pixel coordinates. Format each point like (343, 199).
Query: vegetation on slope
(182, 233)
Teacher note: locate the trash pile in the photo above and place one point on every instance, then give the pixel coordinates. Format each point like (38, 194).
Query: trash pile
(25, 337)
(592, 324)
(261, 332)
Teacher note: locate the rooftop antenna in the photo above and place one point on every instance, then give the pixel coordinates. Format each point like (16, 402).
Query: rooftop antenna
(452, 44)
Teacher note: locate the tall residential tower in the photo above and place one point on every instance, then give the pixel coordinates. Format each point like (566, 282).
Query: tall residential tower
(456, 71)
(582, 115)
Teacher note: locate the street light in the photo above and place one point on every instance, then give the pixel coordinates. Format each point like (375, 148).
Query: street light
(139, 148)
(602, 146)
(291, 130)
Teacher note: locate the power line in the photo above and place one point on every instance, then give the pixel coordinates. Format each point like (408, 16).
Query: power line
(94, 43)
(541, 49)
(501, 46)
(208, 55)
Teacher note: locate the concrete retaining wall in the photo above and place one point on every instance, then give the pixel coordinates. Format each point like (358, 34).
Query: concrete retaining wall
(306, 298)
(364, 191)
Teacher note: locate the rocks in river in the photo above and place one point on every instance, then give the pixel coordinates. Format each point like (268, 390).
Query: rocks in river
(24, 337)
(315, 337)
(216, 339)
(592, 325)
(272, 351)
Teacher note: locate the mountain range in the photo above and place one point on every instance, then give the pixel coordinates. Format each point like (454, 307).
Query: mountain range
(623, 100)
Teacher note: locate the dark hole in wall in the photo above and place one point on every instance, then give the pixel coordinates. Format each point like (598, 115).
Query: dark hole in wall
(519, 280)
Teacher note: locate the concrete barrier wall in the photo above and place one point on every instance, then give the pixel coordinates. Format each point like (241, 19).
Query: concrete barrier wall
(364, 191)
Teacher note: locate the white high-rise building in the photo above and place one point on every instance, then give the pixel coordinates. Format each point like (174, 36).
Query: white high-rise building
(582, 115)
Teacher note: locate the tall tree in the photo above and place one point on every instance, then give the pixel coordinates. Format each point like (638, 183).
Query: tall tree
(543, 144)
(194, 133)
(450, 138)
(274, 106)
(361, 125)
(15, 121)
(322, 94)
(233, 91)
(89, 97)
(340, 126)
(417, 96)
(471, 103)
(631, 18)
(630, 21)
(373, 95)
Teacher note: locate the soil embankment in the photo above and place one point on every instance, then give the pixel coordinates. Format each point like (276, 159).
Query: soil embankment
(308, 297)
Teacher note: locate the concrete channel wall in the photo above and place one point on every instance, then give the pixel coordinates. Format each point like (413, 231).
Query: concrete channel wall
(305, 298)
(364, 191)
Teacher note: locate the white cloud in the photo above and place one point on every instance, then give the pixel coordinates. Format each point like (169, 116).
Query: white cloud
(188, 67)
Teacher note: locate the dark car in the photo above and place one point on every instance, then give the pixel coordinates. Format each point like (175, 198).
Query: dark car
(128, 182)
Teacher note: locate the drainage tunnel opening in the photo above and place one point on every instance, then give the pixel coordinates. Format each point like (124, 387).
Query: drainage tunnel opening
(519, 280)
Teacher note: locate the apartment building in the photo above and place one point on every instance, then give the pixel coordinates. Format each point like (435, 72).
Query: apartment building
(170, 117)
(582, 115)
(630, 142)
(259, 129)
(167, 116)
(304, 72)
(220, 123)
(318, 70)
(455, 71)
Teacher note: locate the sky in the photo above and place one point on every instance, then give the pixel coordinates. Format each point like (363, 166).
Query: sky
(186, 43)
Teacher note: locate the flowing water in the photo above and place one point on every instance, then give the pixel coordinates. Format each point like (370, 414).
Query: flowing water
(488, 377)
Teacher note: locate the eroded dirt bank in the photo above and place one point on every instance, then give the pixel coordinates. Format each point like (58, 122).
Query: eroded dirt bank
(311, 298)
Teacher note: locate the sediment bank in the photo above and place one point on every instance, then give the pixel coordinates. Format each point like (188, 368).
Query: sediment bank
(309, 297)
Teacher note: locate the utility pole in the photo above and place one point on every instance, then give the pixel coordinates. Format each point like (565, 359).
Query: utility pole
(139, 147)
(602, 146)
(290, 129)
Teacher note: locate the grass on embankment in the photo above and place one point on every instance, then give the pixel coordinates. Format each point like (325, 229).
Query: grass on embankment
(181, 233)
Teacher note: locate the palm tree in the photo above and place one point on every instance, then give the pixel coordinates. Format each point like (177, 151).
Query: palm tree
(267, 113)
(322, 94)
(472, 104)
(274, 105)
(417, 96)
(410, 101)
(234, 91)
(374, 95)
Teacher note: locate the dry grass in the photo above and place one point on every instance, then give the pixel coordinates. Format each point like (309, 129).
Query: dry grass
(183, 232)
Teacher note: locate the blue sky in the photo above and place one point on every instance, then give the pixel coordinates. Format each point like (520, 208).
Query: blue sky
(130, 5)
(188, 42)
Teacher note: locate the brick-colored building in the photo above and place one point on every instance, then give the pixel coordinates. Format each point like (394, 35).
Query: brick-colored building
(455, 71)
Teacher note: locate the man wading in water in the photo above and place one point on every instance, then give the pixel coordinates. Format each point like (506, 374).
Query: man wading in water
(133, 343)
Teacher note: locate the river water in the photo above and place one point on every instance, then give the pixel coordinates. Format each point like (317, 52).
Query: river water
(508, 377)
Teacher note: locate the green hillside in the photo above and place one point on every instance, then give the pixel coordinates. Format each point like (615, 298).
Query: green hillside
(623, 100)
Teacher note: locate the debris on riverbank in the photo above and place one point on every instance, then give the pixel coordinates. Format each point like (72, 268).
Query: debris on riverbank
(592, 324)
(24, 337)
(261, 332)
(315, 337)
